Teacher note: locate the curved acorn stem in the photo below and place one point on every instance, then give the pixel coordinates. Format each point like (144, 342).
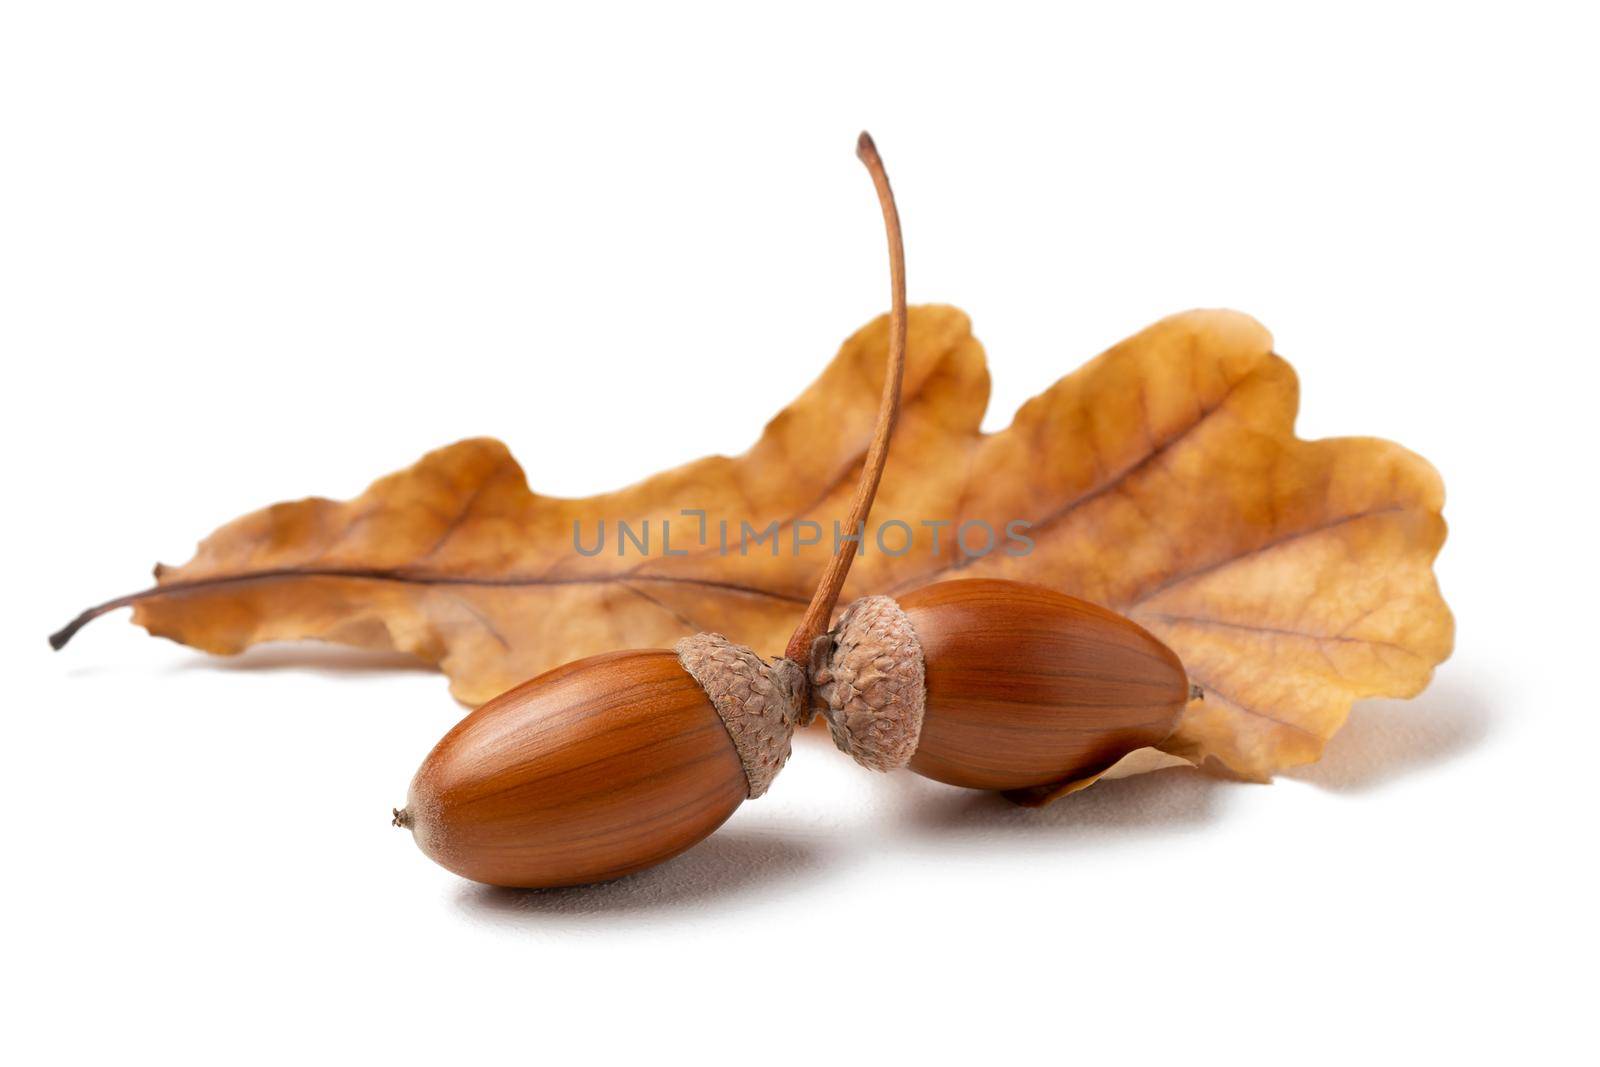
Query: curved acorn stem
(820, 611)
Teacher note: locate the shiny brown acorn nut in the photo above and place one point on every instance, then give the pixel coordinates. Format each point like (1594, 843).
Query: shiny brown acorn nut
(603, 766)
(995, 684)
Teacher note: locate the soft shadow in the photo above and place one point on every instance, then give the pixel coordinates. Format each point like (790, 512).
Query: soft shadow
(1165, 801)
(729, 864)
(311, 656)
(1387, 739)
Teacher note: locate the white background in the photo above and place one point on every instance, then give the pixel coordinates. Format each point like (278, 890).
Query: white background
(255, 252)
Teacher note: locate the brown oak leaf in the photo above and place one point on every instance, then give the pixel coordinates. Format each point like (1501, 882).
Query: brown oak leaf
(1162, 479)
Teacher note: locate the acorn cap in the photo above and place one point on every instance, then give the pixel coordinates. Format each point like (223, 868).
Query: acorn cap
(867, 675)
(759, 701)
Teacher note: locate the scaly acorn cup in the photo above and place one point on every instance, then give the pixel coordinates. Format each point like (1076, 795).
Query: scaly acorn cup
(994, 684)
(617, 762)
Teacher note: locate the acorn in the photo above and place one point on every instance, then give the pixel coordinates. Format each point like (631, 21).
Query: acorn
(993, 684)
(617, 762)
(604, 766)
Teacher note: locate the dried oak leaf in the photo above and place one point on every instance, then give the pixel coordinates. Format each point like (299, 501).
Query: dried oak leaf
(1162, 479)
